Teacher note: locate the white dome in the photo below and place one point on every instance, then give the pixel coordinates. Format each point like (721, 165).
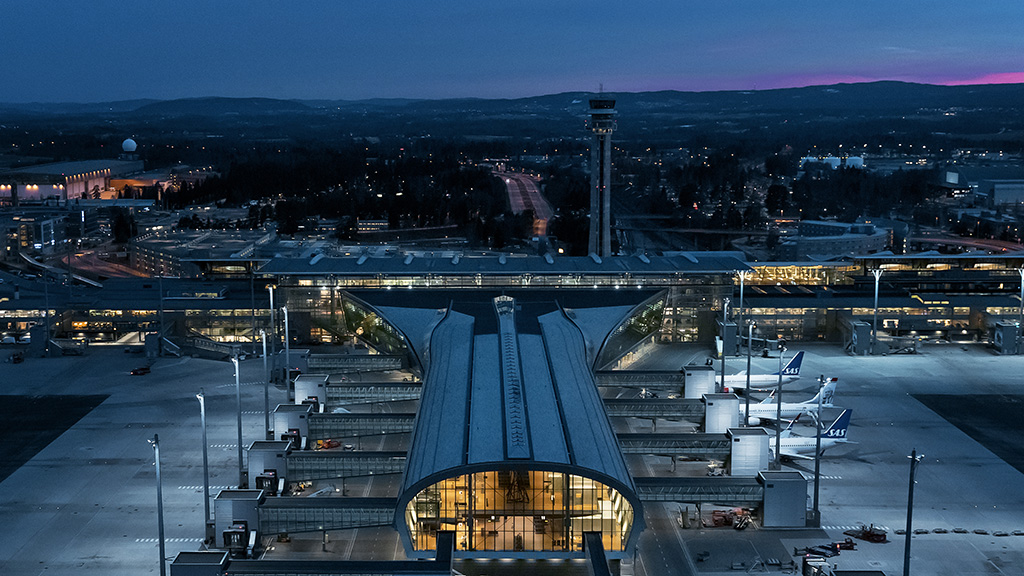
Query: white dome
(129, 145)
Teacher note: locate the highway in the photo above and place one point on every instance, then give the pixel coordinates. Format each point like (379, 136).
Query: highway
(524, 194)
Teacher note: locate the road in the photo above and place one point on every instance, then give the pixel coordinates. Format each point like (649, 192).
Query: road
(524, 194)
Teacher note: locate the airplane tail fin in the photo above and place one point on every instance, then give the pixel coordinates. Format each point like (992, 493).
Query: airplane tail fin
(837, 430)
(827, 392)
(768, 399)
(789, 429)
(793, 367)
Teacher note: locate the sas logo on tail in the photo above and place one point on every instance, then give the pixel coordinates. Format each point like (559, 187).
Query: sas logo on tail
(840, 433)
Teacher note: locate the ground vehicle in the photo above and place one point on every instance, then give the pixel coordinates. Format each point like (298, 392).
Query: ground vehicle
(141, 371)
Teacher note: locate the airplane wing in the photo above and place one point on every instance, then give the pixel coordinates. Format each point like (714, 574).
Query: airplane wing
(796, 456)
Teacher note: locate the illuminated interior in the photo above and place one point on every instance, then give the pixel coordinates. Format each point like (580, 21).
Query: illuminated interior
(519, 511)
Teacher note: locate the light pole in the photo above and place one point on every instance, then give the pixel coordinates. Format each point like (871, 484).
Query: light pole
(725, 328)
(778, 409)
(287, 347)
(817, 452)
(914, 461)
(155, 442)
(1020, 316)
(877, 273)
(273, 323)
(238, 398)
(739, 313)
(208, 527)
(266, 385)
(746, 395)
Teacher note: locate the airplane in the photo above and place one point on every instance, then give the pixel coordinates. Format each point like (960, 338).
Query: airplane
(799, 446)
(789, 373)
(768, 410)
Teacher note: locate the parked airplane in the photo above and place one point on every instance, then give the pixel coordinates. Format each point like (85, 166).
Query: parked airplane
(800, 446)
(789, 373)
(768, 410)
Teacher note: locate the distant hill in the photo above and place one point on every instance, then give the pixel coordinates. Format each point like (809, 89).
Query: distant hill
(884, 96)
(217, 106)
(881, 96)
(116, 107)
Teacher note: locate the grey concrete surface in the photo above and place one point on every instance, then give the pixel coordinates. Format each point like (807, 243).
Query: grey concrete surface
(960, 482)
(86, 502)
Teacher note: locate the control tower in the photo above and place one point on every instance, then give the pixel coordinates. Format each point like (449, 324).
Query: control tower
(602, 124)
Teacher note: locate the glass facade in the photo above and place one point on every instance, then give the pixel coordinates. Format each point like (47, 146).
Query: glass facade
(519, 511)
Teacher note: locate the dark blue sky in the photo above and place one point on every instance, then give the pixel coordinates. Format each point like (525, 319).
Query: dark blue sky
(93, 50)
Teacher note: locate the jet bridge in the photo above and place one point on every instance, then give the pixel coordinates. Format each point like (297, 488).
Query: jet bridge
(721, 490)
(291, 515)
(682, 408)
(324, 465)
(324, 426)
(697, 446)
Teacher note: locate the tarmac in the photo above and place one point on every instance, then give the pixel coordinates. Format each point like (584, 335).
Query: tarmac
(80, 492)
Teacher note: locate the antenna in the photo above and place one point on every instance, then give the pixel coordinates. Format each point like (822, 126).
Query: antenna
(600, 88)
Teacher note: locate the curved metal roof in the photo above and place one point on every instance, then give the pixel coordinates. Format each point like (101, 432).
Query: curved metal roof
(508, 386)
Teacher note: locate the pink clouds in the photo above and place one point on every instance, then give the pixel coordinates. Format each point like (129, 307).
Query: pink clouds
(997, 78)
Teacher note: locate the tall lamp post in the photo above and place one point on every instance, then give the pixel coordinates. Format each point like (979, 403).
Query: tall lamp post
(739, 312)
(155, 442)
(914, 461)
(877, 273)
(266, 385)
(238, 398)
(817, 452)
(746, 395)
(208, 527)
(287, 347)
(778, 409)
(725, 328)
(1020, 316)
(273, 322)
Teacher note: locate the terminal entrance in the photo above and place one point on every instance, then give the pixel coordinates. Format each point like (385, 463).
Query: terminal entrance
(519, 511)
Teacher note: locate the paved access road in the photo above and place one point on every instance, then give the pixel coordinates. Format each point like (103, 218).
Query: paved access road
(524, 194)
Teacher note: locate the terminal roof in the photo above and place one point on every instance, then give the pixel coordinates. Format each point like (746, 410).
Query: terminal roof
(508, 385)
(401, 264)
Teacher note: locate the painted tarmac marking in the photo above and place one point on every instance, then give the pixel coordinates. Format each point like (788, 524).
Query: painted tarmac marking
(240, 384)
(157, 540)
(200, 487)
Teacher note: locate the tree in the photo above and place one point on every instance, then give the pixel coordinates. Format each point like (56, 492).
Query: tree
(777, 198)
(122, 226)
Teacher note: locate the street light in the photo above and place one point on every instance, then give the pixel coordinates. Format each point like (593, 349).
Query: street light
(739, 313)
(155, 442)
(914, 461)
(746, 395)
(287, 347)
(877, 273)
(266, 385)
(238, 398)
(1020, 317)
(725, 328)
(817, 452)
(273, 321)
(778, 409)
(207, 525)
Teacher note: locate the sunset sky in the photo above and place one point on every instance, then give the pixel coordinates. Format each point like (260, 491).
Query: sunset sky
(69, 50)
